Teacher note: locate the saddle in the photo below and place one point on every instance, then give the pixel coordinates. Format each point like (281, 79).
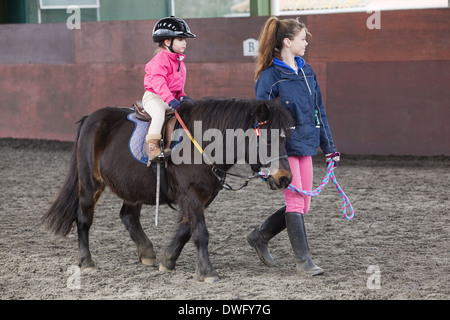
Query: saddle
(168, 127)
(142, 121)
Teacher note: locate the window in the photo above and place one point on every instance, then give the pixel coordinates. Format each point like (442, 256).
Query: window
(64, 4)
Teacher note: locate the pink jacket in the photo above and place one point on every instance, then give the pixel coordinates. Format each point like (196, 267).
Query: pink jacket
(165, 75)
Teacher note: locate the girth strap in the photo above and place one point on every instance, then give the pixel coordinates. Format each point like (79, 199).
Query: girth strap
(164, 185)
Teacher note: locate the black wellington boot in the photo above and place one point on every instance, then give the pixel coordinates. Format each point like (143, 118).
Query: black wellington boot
(297, 235)
(259, 238)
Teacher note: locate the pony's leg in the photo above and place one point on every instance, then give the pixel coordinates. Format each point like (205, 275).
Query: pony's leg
(84, 221)
(192, 223)
(130, 215)
(200, 236)
(173, 250)
(90, 191)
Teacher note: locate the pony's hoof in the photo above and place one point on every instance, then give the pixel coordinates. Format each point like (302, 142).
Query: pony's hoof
(163, 268)
(87, 266)
(88, 270)
(148, 262)
(211, 279)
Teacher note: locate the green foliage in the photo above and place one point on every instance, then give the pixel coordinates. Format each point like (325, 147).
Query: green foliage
(203, 8)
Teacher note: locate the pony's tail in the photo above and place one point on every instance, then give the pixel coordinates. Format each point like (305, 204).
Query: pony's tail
(60, 217)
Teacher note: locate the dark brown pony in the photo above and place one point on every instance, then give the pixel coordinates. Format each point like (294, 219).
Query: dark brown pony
(101, 158)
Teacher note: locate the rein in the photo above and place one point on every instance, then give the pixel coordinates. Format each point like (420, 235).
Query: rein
(329, 175)
(189, 133)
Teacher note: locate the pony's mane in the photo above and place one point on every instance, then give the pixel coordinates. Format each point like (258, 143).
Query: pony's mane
(231, 113)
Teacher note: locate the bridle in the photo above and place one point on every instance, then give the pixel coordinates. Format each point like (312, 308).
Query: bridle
(264, 163)
(263, 170)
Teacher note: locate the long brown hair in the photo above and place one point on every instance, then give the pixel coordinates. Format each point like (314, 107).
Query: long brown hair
(271, 40)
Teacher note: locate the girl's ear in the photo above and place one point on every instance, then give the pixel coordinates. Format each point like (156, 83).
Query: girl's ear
(287, 42)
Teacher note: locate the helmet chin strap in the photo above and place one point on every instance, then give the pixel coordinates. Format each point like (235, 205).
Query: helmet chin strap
(171, 50)
(171, 45)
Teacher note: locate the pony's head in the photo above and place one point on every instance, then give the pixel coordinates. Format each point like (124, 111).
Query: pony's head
(271, 123)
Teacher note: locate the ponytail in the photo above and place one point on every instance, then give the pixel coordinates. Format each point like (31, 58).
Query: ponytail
(267, 45)
(271, 40)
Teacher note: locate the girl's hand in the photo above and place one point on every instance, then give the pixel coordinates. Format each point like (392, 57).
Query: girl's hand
(174, 104)
(335, 156)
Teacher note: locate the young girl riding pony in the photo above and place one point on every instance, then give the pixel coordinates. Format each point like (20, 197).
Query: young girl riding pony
(165, 77)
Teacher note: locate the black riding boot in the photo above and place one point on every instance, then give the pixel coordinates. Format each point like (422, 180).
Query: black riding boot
(259, 238)
(297, 235)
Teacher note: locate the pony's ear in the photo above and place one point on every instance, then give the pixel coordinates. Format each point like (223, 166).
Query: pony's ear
(262, 112)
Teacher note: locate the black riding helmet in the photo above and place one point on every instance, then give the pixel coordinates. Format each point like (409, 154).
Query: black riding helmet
(170, 28)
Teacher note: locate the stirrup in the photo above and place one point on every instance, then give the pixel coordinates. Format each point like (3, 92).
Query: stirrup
(163, 155)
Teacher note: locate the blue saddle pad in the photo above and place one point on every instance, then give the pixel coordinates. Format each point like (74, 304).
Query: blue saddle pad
(136, 144)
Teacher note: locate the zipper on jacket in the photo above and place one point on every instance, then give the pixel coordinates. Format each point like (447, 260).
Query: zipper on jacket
(180, 58)
(306, 80)
(304, 76)
(320, 117)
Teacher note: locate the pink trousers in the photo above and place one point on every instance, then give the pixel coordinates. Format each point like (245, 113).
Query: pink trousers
(302, 178)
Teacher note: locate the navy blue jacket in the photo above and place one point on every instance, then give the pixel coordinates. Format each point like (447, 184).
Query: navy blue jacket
(304, 100)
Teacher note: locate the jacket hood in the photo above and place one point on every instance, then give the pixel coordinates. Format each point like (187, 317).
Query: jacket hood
(300, 63)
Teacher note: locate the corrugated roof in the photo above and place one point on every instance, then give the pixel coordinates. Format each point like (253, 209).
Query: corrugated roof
(299, 5)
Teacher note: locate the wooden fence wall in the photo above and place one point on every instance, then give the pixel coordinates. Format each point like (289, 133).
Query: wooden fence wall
(386, 90)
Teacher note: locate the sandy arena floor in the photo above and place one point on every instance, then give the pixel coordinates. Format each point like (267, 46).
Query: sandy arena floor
(400, 229)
